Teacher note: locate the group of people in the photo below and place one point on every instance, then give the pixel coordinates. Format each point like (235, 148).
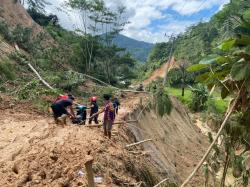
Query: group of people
(62, 108)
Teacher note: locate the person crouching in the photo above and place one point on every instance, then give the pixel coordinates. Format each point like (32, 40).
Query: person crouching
(60, 111)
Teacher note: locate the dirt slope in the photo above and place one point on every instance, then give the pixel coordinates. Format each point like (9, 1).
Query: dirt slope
(178, 144)
(161, 72)
(15, 14)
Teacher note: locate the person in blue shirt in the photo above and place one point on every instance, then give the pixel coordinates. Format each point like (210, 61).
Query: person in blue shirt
(93, 109)
(116, 104)
(81, 115)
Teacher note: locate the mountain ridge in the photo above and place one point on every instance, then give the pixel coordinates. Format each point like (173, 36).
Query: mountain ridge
(139, 49)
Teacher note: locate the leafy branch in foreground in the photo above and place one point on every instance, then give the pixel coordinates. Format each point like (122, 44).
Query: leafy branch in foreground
(228, 69)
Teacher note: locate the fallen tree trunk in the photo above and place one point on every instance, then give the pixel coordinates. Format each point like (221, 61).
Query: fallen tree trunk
(118, 122)
(137, 143)
(40, 78)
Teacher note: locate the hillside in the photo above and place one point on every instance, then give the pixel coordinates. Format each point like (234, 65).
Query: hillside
(138, 49)
(199, 40)
(18, 15)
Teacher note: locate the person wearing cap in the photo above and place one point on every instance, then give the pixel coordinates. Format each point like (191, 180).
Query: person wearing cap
(93, 110)
(60, 111)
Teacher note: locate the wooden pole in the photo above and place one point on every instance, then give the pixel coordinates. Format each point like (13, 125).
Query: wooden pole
(137, 143)
(89, 170)
(141, 104)
(161, 182)
(118, 122)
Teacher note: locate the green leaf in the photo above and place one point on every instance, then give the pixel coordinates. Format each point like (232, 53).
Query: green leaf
(197, 67)
(223, 59)
(203, 77)
(224, 92)
(209, 59)
(240, 70)
(243, 40)
(228, 44)
(246, 16)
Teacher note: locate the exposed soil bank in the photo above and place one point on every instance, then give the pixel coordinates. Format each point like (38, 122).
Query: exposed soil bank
(178, 144)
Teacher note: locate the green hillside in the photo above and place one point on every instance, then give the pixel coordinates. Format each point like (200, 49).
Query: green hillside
(138, 49)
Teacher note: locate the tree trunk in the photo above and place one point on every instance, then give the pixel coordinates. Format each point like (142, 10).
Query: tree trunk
(183, 91)
(222, 184)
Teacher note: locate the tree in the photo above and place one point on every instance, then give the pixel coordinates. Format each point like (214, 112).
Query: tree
(183, 66)
(37, 5)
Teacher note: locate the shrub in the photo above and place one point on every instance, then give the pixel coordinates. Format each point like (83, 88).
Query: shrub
(22, 36)
(19, 35)
(199, 98)
(5, 31)
(6, 71)
(163, 103)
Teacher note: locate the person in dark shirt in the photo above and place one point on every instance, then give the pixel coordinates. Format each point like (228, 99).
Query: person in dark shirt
(60, 111)
(93, 109)
(116, 105)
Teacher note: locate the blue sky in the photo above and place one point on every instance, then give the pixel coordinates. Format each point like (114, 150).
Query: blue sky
(150, 19)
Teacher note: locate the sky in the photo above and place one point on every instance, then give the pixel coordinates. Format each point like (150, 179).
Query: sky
(149, 20)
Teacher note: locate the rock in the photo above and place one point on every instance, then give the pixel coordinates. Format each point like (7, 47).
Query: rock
(54, 157)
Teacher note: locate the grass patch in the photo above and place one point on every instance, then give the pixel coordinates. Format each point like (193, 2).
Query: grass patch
(177, 93)
(215, 102)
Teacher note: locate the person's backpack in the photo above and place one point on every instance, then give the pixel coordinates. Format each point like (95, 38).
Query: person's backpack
(61, 97)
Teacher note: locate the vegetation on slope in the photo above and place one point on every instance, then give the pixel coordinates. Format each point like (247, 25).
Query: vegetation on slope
(57, 53)
(138, 49)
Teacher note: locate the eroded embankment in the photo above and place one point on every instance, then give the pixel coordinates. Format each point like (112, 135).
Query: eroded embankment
(177, 144)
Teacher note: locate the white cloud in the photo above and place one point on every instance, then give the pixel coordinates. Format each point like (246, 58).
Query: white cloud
(174, 27)
(145, 12)
(149, 19)
(194, 6)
